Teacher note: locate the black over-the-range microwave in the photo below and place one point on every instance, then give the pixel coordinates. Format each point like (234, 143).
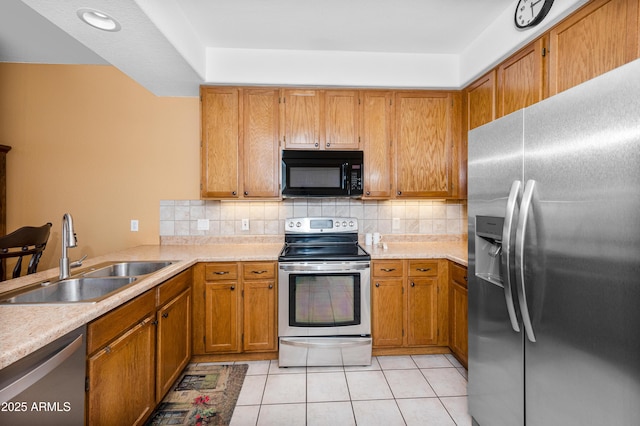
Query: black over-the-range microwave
(322, 173)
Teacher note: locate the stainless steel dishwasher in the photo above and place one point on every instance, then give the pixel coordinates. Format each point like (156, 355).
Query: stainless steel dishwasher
(47, 386)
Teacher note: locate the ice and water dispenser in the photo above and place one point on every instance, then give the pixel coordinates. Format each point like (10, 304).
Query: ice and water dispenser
(489, 248)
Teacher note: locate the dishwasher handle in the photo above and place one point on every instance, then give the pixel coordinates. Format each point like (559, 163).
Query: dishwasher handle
(40, 370)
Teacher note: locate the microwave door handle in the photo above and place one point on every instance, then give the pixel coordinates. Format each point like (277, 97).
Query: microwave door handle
(344, 175)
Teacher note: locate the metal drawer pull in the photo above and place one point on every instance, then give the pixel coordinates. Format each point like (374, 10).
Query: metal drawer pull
(423, 269)
(413, 284)
(377, 284)
(233, 287)
(221, 272)
(165, 315)
(388, 269)
(270, 286)
(259, 272)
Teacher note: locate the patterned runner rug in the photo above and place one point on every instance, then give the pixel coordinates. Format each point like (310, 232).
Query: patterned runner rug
(203, 395)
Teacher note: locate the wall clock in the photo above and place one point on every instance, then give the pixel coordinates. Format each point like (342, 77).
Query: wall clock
(530, 13)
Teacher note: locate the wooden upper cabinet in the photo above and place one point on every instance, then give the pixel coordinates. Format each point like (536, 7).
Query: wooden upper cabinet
(601, 36)
(341, 119)
(260, 143)
(320, 119)
(220, 141)
(521, 79)
(480, 101)
(301, 118)
(424, 138)
(377, 137)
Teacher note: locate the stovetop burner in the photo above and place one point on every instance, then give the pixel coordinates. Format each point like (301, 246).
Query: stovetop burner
(322, 239)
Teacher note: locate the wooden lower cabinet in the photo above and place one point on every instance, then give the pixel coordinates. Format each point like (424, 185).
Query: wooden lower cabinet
(121, 364)
(136, 351)
(235, 308)
(173, 336)
(407, 310)
(458, 312)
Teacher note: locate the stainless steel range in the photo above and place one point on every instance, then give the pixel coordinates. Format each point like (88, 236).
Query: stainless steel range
(324, 294)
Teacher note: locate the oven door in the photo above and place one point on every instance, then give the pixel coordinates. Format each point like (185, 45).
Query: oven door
(324, 299)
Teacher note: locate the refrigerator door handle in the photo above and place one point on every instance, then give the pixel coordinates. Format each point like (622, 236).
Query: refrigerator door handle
(507, 252)
(525, 207)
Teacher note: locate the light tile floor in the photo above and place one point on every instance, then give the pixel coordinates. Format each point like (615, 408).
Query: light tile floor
(395, 390)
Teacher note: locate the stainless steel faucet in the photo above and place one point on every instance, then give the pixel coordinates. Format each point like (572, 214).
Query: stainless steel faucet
(68, 240)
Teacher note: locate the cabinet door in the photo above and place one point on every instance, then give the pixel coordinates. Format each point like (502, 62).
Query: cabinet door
(459, 321)
(422, 311)
(480, 101)
(301, 118)
(220, 142)
(521, 79)
(597, 38)
(121, 378)
(341, 117)
(424, 140)
(222, 309)
(377, 137)
(387, 312)
(260, 143)
(259, 314)
(173, 340)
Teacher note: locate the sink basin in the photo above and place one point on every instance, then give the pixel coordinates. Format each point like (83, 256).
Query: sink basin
(83, 289)
(127, 269)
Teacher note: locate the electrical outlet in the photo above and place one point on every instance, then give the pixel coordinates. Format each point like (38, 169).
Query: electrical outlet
(395, 223)
(245, 224)
(134, 225)
(203, 224)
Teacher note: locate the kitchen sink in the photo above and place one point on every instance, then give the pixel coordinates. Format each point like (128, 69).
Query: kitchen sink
(87, 286)
(127, 269)
(82, 289)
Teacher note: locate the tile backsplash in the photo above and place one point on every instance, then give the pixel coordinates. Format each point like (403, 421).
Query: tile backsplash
(224, 218)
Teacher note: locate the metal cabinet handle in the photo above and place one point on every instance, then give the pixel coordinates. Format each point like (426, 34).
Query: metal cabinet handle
(377, 284)
(165, 315)
(328, 144)
(368, 193)
(399, 192)
(258, 272)
(388, 269)
(423, 269)
(221, 272)
(233, 193)
(233, 287)
(316, 144)
(270, 286)
(413, 284)
(246, 192)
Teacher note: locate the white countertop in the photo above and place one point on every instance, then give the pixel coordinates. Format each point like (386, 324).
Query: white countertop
(26, 328)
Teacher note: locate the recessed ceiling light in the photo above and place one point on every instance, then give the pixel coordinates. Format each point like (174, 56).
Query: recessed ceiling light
(98, 19)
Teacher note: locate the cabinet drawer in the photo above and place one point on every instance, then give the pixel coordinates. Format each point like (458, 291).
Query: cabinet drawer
(173, 286)
(423, 268)
(111, 325)
(258, 270)
(220, 271)
(459, 274)
(387, 268)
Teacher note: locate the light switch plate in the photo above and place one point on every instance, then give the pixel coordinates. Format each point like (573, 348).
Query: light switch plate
(245, 224)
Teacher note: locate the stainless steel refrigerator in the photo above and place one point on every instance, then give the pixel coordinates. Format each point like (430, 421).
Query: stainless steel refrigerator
(554, 259)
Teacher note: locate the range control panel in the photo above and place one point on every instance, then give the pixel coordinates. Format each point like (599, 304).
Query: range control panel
(313, 225)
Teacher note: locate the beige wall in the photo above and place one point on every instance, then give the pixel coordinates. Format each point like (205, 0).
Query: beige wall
(90, 141)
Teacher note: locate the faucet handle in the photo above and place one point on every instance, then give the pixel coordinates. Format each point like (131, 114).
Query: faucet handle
(78, 262)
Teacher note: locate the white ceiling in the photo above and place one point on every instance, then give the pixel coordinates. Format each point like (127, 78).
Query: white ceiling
(173, 46)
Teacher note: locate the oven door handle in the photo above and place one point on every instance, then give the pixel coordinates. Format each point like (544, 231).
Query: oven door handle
(310, 267)
(326, 344)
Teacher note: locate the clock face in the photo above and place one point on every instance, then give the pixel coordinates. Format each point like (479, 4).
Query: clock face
(531, 12)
